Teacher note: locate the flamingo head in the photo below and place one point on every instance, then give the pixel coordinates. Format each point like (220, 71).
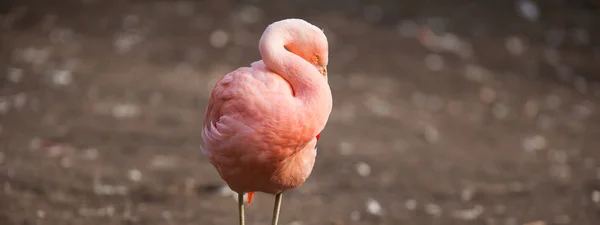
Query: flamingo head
(307, 41)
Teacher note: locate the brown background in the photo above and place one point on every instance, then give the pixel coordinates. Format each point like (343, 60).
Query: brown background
(493, 138)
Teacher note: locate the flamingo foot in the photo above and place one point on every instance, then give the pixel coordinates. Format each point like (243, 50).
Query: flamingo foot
(250, 197)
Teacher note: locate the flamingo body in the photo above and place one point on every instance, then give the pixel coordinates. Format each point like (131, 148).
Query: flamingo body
(262, 122)
(255, 140)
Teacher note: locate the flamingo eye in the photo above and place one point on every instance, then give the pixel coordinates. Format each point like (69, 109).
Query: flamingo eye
(316, 58)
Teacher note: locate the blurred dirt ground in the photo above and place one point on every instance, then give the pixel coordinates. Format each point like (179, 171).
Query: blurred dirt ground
(445, 112)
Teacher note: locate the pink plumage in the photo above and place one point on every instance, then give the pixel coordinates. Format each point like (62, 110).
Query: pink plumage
(262, 122)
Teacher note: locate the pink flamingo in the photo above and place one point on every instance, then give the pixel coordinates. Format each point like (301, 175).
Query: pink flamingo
(262, 122)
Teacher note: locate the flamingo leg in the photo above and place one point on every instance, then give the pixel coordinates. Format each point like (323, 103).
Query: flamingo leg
(241, 208)
(277, 208)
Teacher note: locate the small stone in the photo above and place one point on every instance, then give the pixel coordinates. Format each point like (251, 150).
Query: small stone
(250, 14)
(558, 156)
(363, 169)
(35, 56)
(35, 143)
(582, 111)
(596, 196)
(108, 211)
(346, 148)
(125, 42)
(190, 185)
(477, 73)
(163, 162)
(219, 38)
(467, 194)
(428, 39)
(124, 111)
(19, 100)
(500, 111)
(355, 216)
(561, 172)
(408, 28)
(135, 175)
(449, 42)
(514, 45)
(61, 36)
(167, 215)
(432, 135)
(373, 207)
(66, 162)
(40, 214)
(468, 214)
(102, 189)
(433, 209)
(4, 106)
(379, 107)
(90, 154)
(531, 108)
(410, 204)
(7, 188)
(528, 9)
(61, 77)
(534, 143)
(130, 22)
(434, 62)
(487, 94)
(15, 75)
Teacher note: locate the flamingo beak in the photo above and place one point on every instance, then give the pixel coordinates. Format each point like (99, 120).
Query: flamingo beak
(323, 70)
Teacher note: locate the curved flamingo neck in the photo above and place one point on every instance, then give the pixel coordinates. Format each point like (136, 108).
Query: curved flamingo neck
(305, 79)
(309, 86)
